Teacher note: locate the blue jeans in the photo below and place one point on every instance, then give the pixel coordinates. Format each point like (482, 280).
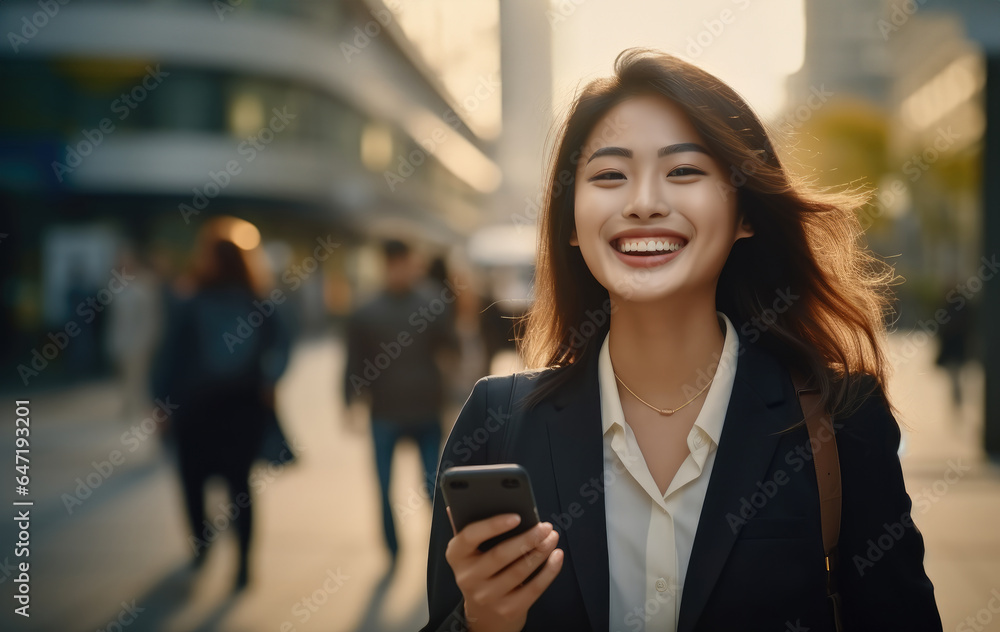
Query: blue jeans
(385, 434)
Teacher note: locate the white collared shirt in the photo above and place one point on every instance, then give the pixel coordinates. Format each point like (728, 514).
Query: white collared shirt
(650, 535)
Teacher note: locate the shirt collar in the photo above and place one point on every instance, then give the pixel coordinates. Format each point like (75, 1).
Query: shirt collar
(713, 412)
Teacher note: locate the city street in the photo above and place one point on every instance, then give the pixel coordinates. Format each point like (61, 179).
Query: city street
(109, 551)
(229, 202)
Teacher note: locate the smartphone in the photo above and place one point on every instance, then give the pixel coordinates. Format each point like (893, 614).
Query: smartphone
(477, 492)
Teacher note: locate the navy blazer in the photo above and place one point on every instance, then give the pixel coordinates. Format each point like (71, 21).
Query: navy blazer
(757, 561)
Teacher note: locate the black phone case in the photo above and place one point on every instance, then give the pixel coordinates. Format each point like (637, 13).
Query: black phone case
(477, 492)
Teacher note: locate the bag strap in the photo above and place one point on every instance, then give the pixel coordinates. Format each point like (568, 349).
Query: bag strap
(496, 449)
(825, 458)
(823, 441)
(510, 414)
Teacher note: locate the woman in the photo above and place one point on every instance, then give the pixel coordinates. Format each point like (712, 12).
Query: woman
(681, 278)
(221, 357)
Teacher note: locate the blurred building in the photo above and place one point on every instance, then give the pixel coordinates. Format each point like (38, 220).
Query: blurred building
(936, 127)
(910, 108)
(901, 113)
(320, 122)
(844, 50)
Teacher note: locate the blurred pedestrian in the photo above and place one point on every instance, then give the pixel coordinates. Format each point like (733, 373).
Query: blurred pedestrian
(439, 281)
(954, 335)
(394, 344)
(134, 327)
(221, 357)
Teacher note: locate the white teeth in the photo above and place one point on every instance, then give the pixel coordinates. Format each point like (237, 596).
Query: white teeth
(647, 246)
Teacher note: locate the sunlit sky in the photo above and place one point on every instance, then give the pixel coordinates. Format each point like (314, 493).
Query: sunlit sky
(754, 45)
(755, 52)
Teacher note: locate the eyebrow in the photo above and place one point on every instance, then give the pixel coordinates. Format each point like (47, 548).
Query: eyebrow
(663, 151)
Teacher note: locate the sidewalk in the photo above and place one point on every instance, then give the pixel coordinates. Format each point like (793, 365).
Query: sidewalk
(955, 490)
(319, 562)
(121, 556)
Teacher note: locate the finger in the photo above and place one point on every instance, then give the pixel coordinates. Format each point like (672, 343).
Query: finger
(519, 570)
(506, 552)
(468, 539)
(522, 598)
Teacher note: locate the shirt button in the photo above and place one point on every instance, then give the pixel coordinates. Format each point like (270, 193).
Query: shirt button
(661, 585)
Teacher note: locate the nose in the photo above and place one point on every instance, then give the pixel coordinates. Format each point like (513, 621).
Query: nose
(648, 199)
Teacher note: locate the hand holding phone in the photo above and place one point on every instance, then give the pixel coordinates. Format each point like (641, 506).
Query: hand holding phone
(481, 491)
(502, 556)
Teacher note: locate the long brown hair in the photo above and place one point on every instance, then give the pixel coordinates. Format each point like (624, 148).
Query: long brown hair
(221, 263)
(804, 253)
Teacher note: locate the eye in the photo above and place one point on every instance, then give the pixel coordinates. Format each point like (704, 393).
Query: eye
(687, 170)
(608, 175)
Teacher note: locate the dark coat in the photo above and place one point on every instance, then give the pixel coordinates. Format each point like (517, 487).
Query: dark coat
(392, 344)
(215, 363)
(757, 561)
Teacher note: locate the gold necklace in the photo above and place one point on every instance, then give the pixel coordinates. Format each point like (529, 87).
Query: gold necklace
(663, 411)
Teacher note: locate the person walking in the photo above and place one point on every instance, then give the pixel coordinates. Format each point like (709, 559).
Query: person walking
(395, 343)
(221, 379)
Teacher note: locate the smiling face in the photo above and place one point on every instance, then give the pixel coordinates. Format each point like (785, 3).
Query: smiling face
(654, 213)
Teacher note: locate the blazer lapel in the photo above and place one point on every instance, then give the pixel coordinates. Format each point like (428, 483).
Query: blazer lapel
(577, 451)
(746, 448)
